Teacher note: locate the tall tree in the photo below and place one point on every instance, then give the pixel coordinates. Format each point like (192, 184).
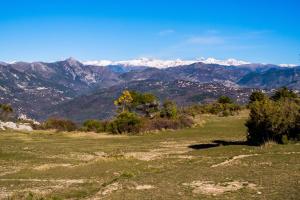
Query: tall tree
(145, 103)
(124, 101)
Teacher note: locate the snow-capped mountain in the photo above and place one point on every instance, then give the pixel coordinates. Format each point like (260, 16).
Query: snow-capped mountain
(228, 62)
(287, 65)
(158, 63)
(145, 62)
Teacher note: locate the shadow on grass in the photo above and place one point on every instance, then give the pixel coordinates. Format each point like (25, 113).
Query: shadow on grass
(217, 143)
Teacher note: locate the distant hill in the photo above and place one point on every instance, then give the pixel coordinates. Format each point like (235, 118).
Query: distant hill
(273, 78)
(100, 103)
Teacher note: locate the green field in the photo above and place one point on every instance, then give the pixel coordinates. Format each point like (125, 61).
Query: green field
(207, 162)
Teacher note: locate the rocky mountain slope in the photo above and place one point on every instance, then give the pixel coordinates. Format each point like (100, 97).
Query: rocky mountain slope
(100, 103)
(273, 78)
(34, 87)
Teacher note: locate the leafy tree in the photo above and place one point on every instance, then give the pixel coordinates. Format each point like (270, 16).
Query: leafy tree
(145, 103)
(257, 96)
(169, 110)
(124, 101)
(284, 93)
(225, 100)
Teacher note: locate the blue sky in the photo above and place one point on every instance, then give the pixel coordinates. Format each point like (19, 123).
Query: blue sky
(258, 30)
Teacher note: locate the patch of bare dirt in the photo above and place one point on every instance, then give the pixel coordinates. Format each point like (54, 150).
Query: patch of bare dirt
(144, 187)
(144, 156)
(211, 188)
(111, 188)
(233, 159)
(40, 187)
(107, 190)
(166, 149)
(93, 135)
(81, 156)
(184, 157)
(50, 166)
(9, 170)
(4, 194)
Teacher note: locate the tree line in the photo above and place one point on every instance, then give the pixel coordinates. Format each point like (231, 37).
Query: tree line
(272, 118)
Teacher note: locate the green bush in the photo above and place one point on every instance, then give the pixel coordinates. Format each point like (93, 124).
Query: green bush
(169, 110)
(59, 125)
(284, 93)
(257, 96)
(225, 100)
(273, 121)
(125, 122)
(213, 108)
(93, 125)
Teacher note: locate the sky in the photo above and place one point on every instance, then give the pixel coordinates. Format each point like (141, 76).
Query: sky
(266, 31)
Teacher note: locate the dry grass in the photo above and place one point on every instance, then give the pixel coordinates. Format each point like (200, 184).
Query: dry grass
(52, 165)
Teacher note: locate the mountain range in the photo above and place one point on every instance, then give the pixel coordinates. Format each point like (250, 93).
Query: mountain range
(83, 90)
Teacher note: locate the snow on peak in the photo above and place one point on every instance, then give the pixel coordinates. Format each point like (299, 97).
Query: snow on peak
(145, 62)
(288, 65)
(228, 62)
(157, 63)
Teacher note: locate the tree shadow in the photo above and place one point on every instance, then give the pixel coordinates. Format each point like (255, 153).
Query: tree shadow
(203, 146)
(217, 143)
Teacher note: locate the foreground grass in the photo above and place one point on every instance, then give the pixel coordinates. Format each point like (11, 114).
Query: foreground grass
(208, 162)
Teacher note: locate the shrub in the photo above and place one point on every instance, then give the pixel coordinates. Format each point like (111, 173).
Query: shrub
(257, 96)
(59, 124)
(273, 121)
(126, 122)
(160, 124)
(93, 125)
(213, 108)
(225, 100)
(166, 123)
(169, 110)
(185, 121)
(284, 93)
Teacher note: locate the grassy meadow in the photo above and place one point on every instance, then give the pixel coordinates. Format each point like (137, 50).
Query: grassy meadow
(211, 161)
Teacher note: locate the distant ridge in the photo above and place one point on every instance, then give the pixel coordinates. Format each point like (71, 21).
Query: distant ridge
(159, 63)
(77, 90)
